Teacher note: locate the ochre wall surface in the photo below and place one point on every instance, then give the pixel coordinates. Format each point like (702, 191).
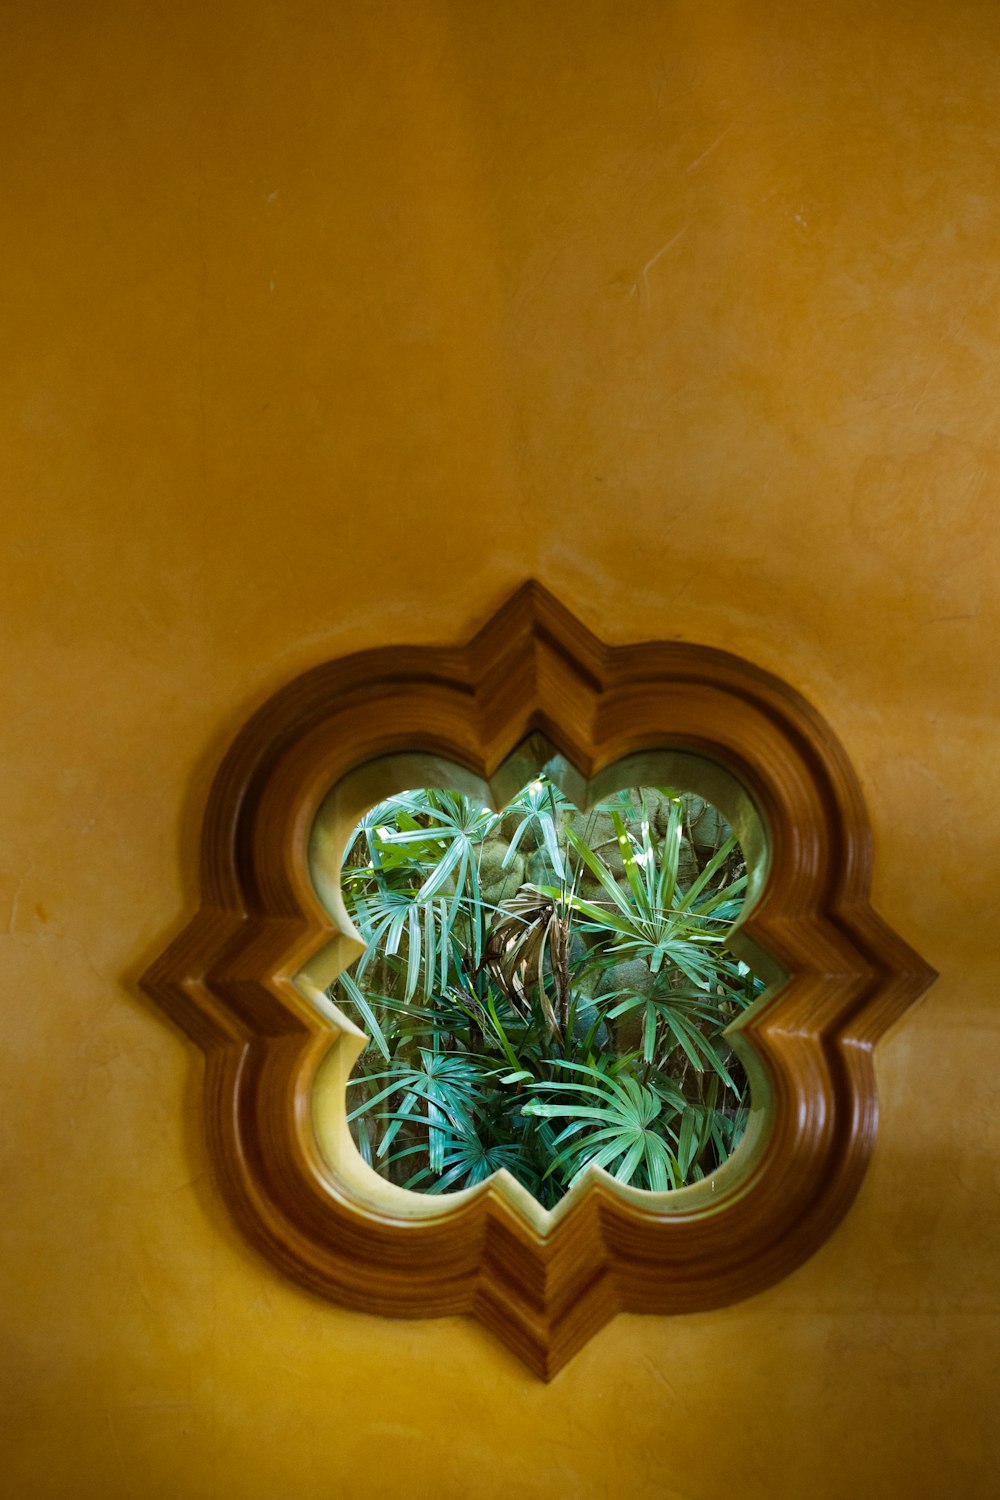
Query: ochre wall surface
(326, 325)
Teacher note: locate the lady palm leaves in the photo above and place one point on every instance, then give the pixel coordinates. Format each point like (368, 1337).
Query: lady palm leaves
(652, 919)
(465, 1160)
(396, 899)
(628, 1127)
(538, 805)
(524, 929)
(680, 1019)
(492, 1025)
(449, 1086)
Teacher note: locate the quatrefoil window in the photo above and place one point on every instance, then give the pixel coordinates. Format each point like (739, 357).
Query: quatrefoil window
(248, 976)
(544, 990)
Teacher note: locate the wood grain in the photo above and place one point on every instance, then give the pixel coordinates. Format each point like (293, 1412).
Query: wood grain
(543, 1284)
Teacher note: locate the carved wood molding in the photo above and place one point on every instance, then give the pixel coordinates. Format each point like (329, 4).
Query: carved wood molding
(543, 1283)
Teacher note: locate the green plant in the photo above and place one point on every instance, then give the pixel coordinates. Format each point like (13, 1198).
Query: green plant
(544, 990)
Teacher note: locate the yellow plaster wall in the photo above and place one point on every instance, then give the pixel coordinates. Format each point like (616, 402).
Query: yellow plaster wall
(328, 323)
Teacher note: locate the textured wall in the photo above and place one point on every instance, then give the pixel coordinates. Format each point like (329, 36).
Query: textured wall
(330, 323)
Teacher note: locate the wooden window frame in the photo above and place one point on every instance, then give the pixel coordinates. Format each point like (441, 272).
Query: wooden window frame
(243, 980)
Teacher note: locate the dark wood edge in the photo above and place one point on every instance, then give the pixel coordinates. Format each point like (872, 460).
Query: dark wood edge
(228, 981)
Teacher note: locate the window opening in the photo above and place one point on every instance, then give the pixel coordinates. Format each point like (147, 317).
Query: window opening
(544, 989)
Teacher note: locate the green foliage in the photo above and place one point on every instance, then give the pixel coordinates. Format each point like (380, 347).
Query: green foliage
(545, 990)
